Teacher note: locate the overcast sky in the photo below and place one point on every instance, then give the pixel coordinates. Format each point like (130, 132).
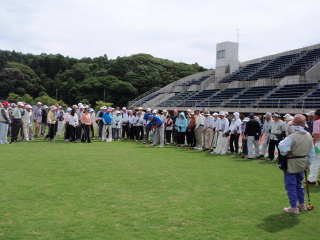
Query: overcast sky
(179, 30)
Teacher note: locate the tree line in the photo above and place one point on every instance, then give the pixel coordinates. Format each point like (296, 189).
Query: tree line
(71, 80)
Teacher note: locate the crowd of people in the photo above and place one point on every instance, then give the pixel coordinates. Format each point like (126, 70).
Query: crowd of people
(218, 133)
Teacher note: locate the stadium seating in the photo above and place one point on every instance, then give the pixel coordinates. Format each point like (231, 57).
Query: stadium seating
(198, 97)
(249, 96)
(170, 102)
(284, 95)
(220, 97)
(195, 81)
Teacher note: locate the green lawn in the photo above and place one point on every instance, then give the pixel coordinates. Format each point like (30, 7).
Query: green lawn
(124, 190)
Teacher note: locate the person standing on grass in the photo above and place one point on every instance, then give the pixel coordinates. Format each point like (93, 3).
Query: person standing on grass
(116, 125)
(252, 133)
(74, 122)
(107, 126)
(132, 125)
(16, 121)
(314, 168)
(198, 129)
(299, 150)
(208, 125)
(244, 140)
(168, 129)
(51, 120)
(67, 124)
(139, 126)
(5, 121)
(125, 123)
(26, 123)
(265, 134)
(222, 129)
(277, 133)
(86, 122)
(44, 115)
(147, 128)
(157, 127)
(92, 118)
(175, 130)
(235, 133)
(100, 121)
(181, 124)
(37, 114)
(216, 121)
(60, 118)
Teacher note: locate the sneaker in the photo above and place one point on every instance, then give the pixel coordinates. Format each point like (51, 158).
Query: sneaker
(269, 159)
(160, 146)
(302, 207)
(291, 210)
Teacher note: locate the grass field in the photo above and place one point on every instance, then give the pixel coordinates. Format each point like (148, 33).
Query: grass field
(124, 190)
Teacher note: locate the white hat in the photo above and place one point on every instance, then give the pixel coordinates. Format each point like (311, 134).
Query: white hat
(189, 110)
(148, 109)
(20, 104)
(60, 107)
(124, 108)
(45, 106)
(215, 114)
(268, 114)
(164, 110)
(118, 112)
(287, 116)
(28, 106)
(39, 103)
(104, 107)
(69, 109)
(311, 113)
(246, 119)
(140, 108)
(226, 113)
(221, 113)
(91, 110)
(81, 106)
(155, 111)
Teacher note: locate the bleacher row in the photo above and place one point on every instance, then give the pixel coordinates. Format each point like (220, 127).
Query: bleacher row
(287, 96)
(288, 65)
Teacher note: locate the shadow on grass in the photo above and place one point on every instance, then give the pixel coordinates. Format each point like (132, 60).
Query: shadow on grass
(279, 222)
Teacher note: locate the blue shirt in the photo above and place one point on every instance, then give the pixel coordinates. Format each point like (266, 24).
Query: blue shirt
(155, 122)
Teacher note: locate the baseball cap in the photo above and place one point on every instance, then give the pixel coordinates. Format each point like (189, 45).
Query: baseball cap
(268, 114)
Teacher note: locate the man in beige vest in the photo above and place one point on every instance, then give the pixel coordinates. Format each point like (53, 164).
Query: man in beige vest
(299, 149)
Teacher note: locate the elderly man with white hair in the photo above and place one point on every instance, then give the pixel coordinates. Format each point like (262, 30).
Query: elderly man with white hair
(147, 128)
(125, 123)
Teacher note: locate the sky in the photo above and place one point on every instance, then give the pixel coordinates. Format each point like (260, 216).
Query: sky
(178, 30)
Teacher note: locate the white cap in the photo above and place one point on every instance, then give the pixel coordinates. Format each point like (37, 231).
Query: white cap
(28, 106)
(20, 104)
(164, 110)
(140, 108)
(221, 113)
(45, 106)
(118, 112)
(148, 109)
(155, 111)
(215, 114)
(189, 110)
(311, 113)
(39, 103)
(124, 108)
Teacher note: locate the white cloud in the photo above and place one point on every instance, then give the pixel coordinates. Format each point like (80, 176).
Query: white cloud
(179, 30)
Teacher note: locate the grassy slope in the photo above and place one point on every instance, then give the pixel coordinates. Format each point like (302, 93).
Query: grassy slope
(123, 190)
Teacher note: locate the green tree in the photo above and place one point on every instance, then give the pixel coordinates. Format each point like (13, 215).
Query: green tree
(13, 98)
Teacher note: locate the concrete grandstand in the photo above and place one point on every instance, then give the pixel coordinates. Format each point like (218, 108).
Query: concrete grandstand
(287, 82)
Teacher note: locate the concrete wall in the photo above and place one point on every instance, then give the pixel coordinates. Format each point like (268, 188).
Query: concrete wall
(314, 72)
(230, 60)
